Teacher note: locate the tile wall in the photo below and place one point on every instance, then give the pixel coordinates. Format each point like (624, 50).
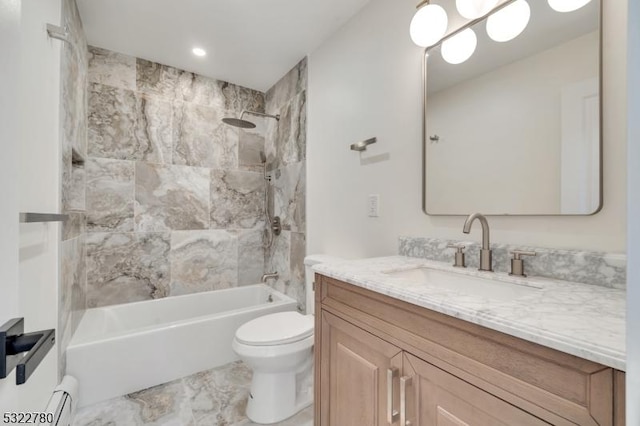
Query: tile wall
(286, 158)
(72, 288)
(174, 197)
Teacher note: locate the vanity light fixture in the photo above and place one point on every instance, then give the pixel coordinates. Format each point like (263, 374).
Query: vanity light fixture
(460, 47)
(198, 51)
(507, 23)
(472, 9)
(429, 24)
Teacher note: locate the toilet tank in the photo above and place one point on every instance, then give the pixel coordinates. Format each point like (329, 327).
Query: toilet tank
(309, 261)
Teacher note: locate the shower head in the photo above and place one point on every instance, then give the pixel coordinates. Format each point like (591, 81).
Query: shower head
(237, 122)
(244, 124)
(263, 157)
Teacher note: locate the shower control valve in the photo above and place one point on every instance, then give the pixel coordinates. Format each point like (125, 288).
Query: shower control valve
(276, 225)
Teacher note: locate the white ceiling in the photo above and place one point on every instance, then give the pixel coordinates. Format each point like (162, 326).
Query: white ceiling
(248, 42)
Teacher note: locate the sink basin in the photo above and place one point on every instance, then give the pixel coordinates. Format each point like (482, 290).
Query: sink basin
(468, 285)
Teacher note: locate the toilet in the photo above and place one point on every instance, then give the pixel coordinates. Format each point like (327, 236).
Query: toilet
(279, 349)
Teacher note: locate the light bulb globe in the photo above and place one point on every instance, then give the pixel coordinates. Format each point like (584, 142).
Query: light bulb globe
(428, 25)
(567, 5)
(472, 9)
(460, 47)
(507, 23)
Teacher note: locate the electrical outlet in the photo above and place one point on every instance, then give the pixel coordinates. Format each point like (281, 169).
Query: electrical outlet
(373, 205)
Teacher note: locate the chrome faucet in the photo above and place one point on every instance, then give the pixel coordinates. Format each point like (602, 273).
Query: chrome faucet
(268, 275)
(485, 252)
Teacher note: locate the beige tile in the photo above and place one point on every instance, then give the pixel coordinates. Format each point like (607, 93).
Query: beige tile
(237, 200)
(126, 267)
(203, 261)
(171, 198)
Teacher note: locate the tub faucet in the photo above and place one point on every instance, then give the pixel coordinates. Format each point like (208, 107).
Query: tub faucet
(268, 275)
(485, 252)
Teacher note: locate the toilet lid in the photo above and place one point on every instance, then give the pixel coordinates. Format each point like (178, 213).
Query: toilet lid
(276, 329)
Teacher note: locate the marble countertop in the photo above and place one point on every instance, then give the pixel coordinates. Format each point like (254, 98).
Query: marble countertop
(584, 320)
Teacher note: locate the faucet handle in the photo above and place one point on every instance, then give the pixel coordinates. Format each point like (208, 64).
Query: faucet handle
(459, 246)
(517, 264)
(459, 255)
(517, 253)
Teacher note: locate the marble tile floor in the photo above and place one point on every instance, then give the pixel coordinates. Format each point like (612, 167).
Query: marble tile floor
(211, 398)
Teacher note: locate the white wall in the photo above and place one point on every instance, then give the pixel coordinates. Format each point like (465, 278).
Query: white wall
(9, 133)
(40, 184)
(32, 184)
(366, 81)
(633, 271)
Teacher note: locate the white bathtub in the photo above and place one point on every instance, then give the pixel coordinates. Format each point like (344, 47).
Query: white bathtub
(124, 348)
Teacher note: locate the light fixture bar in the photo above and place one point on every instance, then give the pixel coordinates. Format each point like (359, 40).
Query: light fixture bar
(422, 3)
(467, 25)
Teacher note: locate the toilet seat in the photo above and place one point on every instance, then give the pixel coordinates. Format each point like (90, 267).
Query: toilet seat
(275, 329)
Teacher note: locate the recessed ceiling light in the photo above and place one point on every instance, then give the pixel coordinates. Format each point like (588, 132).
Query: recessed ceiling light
(198, 51)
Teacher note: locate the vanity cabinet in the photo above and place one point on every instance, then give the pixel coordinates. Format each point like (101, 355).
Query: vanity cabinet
(380, 359)
(435, 397)
(357, 367)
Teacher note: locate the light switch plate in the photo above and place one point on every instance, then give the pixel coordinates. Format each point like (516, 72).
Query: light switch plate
(373, 205)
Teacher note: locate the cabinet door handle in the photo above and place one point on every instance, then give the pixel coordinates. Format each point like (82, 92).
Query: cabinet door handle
(392, 375)
(404, 382)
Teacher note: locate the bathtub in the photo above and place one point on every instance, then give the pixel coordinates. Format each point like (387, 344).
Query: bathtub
(125, 348)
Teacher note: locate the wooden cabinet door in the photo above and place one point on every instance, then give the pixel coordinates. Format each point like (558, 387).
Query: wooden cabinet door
(437, 398)
(353, 378)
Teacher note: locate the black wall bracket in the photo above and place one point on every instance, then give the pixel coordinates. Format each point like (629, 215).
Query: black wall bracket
(22, 351)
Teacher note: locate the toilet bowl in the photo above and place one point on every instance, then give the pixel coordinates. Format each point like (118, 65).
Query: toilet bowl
(279, 349)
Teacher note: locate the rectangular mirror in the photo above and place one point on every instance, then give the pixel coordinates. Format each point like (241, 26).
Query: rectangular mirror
(516, 128)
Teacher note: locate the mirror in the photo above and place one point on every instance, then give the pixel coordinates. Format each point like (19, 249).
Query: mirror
(516, 129)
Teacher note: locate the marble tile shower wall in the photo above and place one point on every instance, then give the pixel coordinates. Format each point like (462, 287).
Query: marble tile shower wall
(286, 157)
(72, 286)
(174, 198)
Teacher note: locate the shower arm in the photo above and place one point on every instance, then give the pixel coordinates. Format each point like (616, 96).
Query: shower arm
(259, 114)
